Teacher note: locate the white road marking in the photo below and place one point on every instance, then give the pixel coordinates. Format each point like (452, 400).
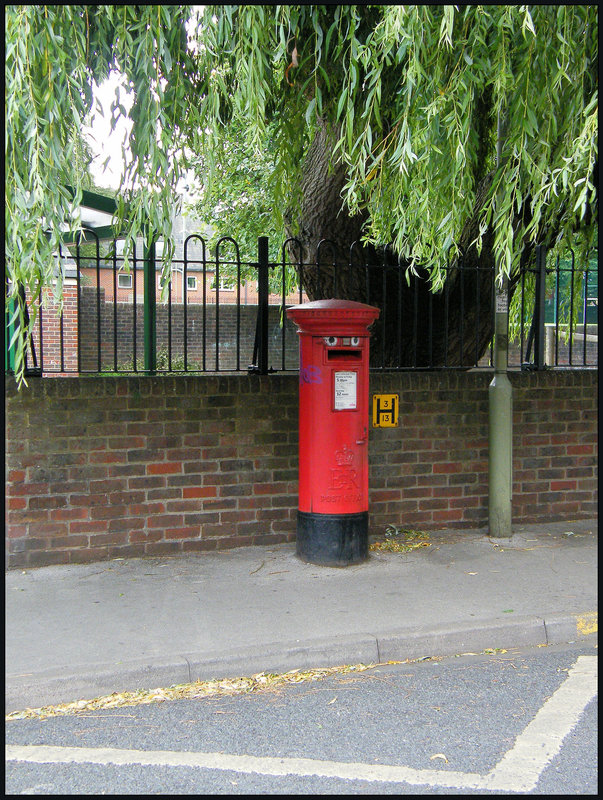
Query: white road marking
(43, 754)
(519, 770)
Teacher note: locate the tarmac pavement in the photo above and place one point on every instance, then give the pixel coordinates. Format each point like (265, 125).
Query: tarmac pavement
(80, 631)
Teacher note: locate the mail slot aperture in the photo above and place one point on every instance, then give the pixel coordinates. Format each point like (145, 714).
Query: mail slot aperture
(343, 355)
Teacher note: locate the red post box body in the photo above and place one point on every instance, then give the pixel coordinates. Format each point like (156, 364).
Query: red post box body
(332, 524)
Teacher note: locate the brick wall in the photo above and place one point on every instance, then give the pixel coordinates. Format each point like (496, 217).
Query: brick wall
(432, 471)
(59, 334)
(555, 455)
(106, 467)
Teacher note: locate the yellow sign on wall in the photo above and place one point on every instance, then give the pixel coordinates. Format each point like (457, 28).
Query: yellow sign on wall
(385, 410)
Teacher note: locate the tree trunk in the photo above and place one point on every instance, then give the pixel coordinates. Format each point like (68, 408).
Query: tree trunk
(322, 219)
(417, 327)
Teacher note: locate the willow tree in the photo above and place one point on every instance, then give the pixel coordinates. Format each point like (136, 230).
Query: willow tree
(385, 123)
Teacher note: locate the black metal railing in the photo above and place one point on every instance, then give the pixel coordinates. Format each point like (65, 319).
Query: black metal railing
(555, 317)
(225, 314)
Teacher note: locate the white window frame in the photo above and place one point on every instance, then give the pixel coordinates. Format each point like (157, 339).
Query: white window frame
(191, 283)
(225, 285)
(124, 276)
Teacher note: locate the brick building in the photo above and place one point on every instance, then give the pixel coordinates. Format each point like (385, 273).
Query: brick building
(193, 263)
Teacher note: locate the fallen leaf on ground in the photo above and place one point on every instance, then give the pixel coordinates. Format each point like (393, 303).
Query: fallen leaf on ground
(196, 690)
(401, 540)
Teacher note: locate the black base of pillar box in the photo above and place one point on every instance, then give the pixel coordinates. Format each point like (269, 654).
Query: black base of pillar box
(332, 540)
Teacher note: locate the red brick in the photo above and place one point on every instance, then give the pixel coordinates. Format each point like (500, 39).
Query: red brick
(164, 521)
(45, 558)
(88, 500)
(447, 467)
(114, 537)
(88, 526)
(199, 491)
(70, 542)
(145, 536)
(580, 449)
(47, 501)
(561, 485)
(109, 485)
(114, 457)
(199, 545)
(16, 503)
(190, 505)
(16, 476)
(143, 509)
(16, 531)
(161, 548)
(434, 503)
(269, 488)
(464, 502)
(164, 468)
(450, 491)
(447, 516)
(126, 524)
(382, 496)
(147, 482)
(13, 489)
(184, 532)
(69, 514)
(107, 512)
(566, 507)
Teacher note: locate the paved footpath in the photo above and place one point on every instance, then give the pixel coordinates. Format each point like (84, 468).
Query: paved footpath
(80, 631)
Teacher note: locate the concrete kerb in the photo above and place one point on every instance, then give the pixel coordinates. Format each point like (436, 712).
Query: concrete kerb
(52, 687)
(562, 628)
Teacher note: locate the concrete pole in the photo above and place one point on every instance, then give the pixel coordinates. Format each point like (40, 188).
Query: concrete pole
(500, 427)
(500, 405)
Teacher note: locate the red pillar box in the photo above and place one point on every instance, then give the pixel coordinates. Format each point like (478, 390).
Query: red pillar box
(332, 517)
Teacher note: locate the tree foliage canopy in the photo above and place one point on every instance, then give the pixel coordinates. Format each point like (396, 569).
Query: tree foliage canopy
(417, 99)
(238, 201)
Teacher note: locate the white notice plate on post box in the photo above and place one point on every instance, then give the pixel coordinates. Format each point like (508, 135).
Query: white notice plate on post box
(345, 390)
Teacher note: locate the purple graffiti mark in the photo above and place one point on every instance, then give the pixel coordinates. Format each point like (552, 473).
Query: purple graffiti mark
(310, 375)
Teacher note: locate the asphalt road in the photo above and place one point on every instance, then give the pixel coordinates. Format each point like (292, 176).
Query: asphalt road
(521, 721)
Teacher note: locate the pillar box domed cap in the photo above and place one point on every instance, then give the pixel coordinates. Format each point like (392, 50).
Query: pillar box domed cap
(328, 317)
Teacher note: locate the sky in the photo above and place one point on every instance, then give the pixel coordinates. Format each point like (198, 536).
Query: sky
(104, 142)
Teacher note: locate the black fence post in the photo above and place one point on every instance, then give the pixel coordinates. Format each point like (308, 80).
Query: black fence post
(260, 348)
(539, 309)
(150, 303)
(263, 304)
